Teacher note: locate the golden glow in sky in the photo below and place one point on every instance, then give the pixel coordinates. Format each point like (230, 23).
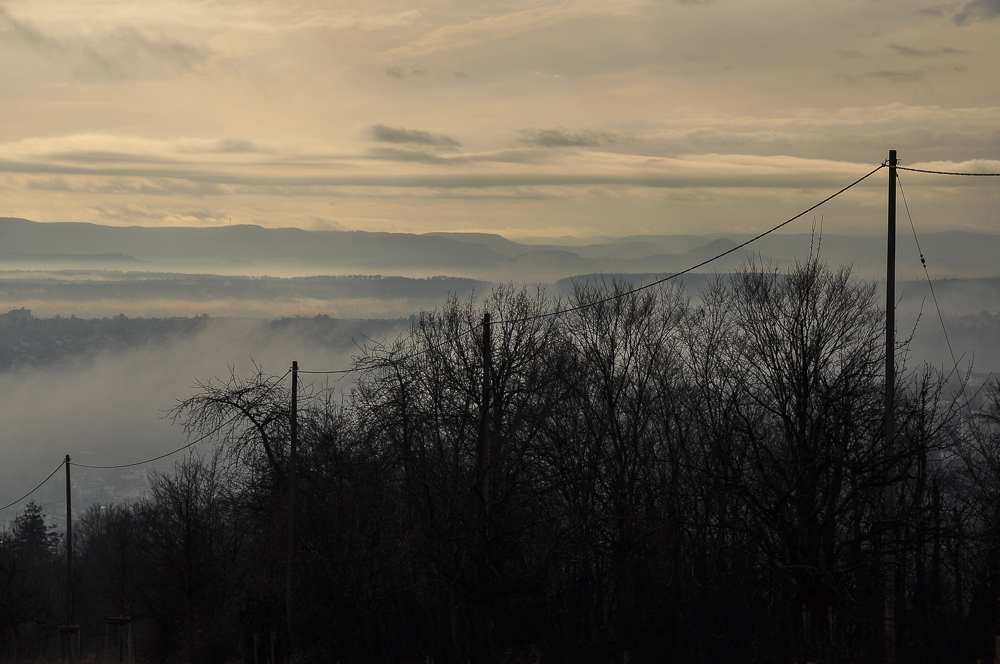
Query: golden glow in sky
(525, 118)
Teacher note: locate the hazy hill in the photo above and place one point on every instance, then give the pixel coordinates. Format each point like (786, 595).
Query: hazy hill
(247, 249)
(254, 250)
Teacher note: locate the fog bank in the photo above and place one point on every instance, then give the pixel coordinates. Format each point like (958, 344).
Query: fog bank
(110, 408)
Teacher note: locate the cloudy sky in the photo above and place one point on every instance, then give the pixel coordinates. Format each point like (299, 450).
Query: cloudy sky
(524, 117)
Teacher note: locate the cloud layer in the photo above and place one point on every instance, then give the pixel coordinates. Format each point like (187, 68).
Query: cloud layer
(581, 117)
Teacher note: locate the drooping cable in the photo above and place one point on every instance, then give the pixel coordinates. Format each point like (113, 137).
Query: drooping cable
(634, 290)
(638, 288)
(577, 308)
(11, 504)
(404, 358)
(971, 175)
(194, 442)
(701, 264)
(930, 284)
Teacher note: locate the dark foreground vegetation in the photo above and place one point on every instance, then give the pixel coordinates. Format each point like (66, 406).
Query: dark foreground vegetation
(651, 482)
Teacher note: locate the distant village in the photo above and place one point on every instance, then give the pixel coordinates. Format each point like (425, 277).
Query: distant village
(29, 341)
(15, 317)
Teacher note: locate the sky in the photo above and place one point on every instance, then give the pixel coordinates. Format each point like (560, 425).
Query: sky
(528, 118)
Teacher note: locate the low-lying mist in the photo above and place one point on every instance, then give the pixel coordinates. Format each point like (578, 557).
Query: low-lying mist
(110, 408)
(101, 293)
(101, 391)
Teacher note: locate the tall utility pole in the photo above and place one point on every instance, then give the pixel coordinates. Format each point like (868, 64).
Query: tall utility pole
(890, 421)
(69, 547)
(292, 463)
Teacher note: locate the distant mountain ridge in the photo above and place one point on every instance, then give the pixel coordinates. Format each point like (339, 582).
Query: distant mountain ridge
(255, 250)
(246, 246)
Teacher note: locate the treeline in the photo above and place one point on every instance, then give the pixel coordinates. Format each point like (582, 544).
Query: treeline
(635, 479)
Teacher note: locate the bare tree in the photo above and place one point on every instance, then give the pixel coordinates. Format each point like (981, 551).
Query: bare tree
(195, 544)
(625, 347)
(469, 457)
(799, 390)
(249, 417)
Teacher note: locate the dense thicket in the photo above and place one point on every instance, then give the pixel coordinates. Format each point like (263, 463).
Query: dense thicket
(635, 479)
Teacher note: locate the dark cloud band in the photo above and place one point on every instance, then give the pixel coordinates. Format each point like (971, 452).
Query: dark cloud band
(381, 132)
(559, 138)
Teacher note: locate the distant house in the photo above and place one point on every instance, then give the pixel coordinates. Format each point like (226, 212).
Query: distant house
(15, 317)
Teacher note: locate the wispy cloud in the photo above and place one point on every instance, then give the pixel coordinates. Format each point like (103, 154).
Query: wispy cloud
(469, 33)
(977, 10)
(895, 75)
(129, 54)
(559, 138)
(133, 212)
(936, 11)
(397, 72)
(924, 52)
(234, 146)
(412, 156)
(123, 53)
(22, 31)
(412, 168)
(381, 132)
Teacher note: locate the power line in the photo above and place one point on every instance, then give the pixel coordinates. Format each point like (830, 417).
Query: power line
(564, 311)
(672, 276)
(405, 357)
(9, 505)
(139, 463)
(145, 461)
(626, 293)
(429, 349)
(971, 175)
(923, 262)
(332, 371)
(701, 264)
(184, 447)
(560, 312)
(162, 456)
(412, 355)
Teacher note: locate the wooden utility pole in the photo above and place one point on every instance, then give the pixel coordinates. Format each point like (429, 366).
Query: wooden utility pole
(292, 463)
(890, 421)
(69, 546)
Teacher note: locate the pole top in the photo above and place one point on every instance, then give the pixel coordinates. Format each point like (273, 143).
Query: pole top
(892, 158)
(67, 458)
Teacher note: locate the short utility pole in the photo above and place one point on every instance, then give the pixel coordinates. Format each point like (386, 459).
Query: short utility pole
(292, 463)
(69, 546)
